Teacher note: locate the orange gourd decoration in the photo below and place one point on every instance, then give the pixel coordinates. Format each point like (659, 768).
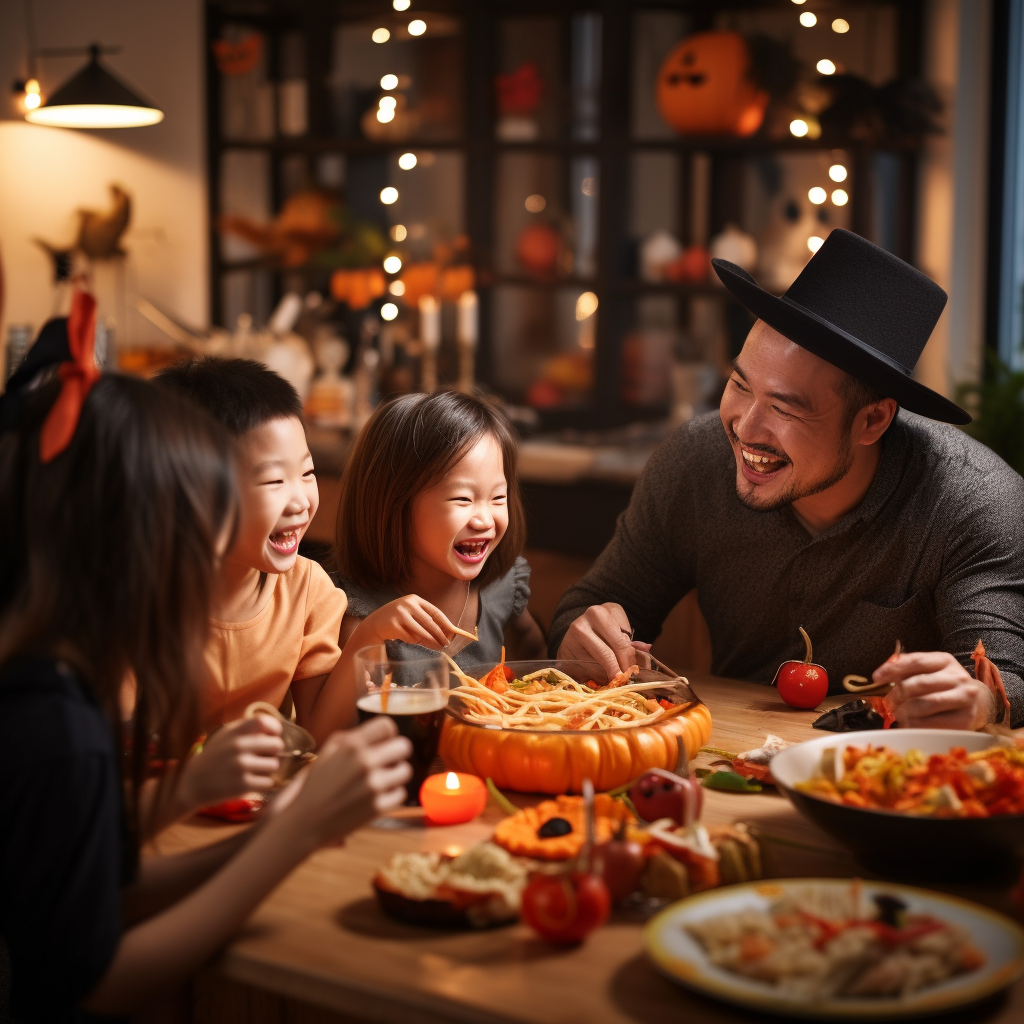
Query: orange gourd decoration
(551, 762)
(705, 87)
(357, 288)
(455, 280)
(419, 279)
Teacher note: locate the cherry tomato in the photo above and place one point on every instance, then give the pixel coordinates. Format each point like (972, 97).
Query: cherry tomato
(623, 864)
(661, 794)
(567, 907)
(802, 686)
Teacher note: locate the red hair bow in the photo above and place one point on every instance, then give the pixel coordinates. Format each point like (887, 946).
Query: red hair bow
(78, 376)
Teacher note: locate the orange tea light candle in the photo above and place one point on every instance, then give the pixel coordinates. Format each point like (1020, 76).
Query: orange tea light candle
(452, 798)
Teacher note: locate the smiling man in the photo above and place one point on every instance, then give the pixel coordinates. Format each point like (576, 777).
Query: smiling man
(824, 495)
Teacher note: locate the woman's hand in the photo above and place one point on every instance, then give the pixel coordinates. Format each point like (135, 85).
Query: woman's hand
(357, 776)
(934, 691)
(410, 619)
(240, 757)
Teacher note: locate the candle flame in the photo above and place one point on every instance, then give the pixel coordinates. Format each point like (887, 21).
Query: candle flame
(451, 781)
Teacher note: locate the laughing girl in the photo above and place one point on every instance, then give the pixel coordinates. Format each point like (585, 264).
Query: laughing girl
(430, 533)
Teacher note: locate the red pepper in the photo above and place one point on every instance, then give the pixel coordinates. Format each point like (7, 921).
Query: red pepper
(802, 684)
(565, 908)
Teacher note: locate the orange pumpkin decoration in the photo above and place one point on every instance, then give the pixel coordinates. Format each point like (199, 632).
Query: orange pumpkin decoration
(419, 279)
(455, 280)
(552, 762)
(518, 832)
(357, 288)
(538, 248)
(705, 87)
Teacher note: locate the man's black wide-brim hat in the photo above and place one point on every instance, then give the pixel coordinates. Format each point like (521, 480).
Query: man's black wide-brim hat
(860, 308)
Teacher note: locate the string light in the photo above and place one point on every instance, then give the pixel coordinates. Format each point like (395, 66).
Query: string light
(398, 232)
(389, 82)
(837, 172)
(839, 197)
(389, 195)
(808, 19)
(815, 242)
(392, 264)
(380, 35)
(386, 114)
(586, 305)
(535, 203)
(407, 161)
(817, 195)
(798, 128)
(799, 1)
(388, 103)
(840, 25)
(826, 67)
(417, 27)
(397, 288)
(388, 311)
(401, 5)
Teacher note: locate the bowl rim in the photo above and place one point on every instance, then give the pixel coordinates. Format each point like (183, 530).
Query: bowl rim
(796, 795)
(537, 664)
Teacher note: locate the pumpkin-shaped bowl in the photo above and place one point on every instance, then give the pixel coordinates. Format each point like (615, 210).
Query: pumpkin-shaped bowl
(533, 760)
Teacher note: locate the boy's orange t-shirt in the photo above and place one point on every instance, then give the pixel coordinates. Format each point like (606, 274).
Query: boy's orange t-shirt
(294, 636)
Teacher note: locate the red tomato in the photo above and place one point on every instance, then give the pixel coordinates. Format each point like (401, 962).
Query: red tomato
(801, 685)
(661, 794)
(623, 864)
(565, 908)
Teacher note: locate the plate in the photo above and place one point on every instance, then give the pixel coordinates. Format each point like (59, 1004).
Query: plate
(682, 958)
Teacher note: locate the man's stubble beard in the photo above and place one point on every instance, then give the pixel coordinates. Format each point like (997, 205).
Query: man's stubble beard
(842, 466)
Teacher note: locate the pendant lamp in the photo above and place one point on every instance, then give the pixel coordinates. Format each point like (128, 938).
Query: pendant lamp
(94, 98)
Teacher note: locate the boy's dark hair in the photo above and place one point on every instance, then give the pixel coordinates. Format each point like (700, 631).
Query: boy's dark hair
(408, 445)
(239, 393)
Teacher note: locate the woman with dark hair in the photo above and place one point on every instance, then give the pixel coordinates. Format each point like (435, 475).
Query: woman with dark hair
(430, 535)
(119, 498)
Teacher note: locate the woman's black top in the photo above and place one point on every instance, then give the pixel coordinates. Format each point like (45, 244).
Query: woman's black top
(62, 839)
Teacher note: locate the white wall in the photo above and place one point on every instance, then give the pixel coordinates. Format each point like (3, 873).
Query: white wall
(953, 211)
(47, 173)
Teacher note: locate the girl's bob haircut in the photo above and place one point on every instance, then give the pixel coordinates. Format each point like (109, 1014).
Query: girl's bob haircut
(408, 445)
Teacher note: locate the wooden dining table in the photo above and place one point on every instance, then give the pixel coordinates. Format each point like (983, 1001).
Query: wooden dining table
(319, 949)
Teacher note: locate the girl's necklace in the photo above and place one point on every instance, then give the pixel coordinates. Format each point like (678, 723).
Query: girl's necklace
(458, 624)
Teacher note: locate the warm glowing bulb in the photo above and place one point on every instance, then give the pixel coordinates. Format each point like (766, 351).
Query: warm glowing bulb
(840, 25)
(401, 5)
(389, 82)
(817, 195)
(808, 19)
(32, 85)
(388, 311)
(397, 287)
(535, 203)
(392, 264)
(398, 232)
(586, 305)
(451, 781)
(839, 197)
(386, 114)
(815, 242)
(407, 161)
(389, 195)
(32, 100)
(826, 67)
(798, 128)
(380, 35)
(417, 27)
(387, 103)
(95, 115)
(799, 1)
(837, 172)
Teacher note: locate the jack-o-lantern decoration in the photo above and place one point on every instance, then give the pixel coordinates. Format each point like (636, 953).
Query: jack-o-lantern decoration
(705, 87)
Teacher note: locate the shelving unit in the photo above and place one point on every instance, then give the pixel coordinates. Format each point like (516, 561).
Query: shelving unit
(484, 37)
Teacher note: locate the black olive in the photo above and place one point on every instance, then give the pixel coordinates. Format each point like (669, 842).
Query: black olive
(891, 910)
(554, 827)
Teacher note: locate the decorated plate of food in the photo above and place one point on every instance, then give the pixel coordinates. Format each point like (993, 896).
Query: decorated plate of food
(545, 726)
(931, 800)
(836, 949)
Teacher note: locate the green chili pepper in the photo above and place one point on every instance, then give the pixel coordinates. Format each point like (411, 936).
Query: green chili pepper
(731, 782)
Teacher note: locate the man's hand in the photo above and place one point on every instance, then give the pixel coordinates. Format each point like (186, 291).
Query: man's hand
(602, 634)
(934, 691)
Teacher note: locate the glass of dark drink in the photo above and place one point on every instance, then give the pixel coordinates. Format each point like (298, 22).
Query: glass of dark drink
(413, 694)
